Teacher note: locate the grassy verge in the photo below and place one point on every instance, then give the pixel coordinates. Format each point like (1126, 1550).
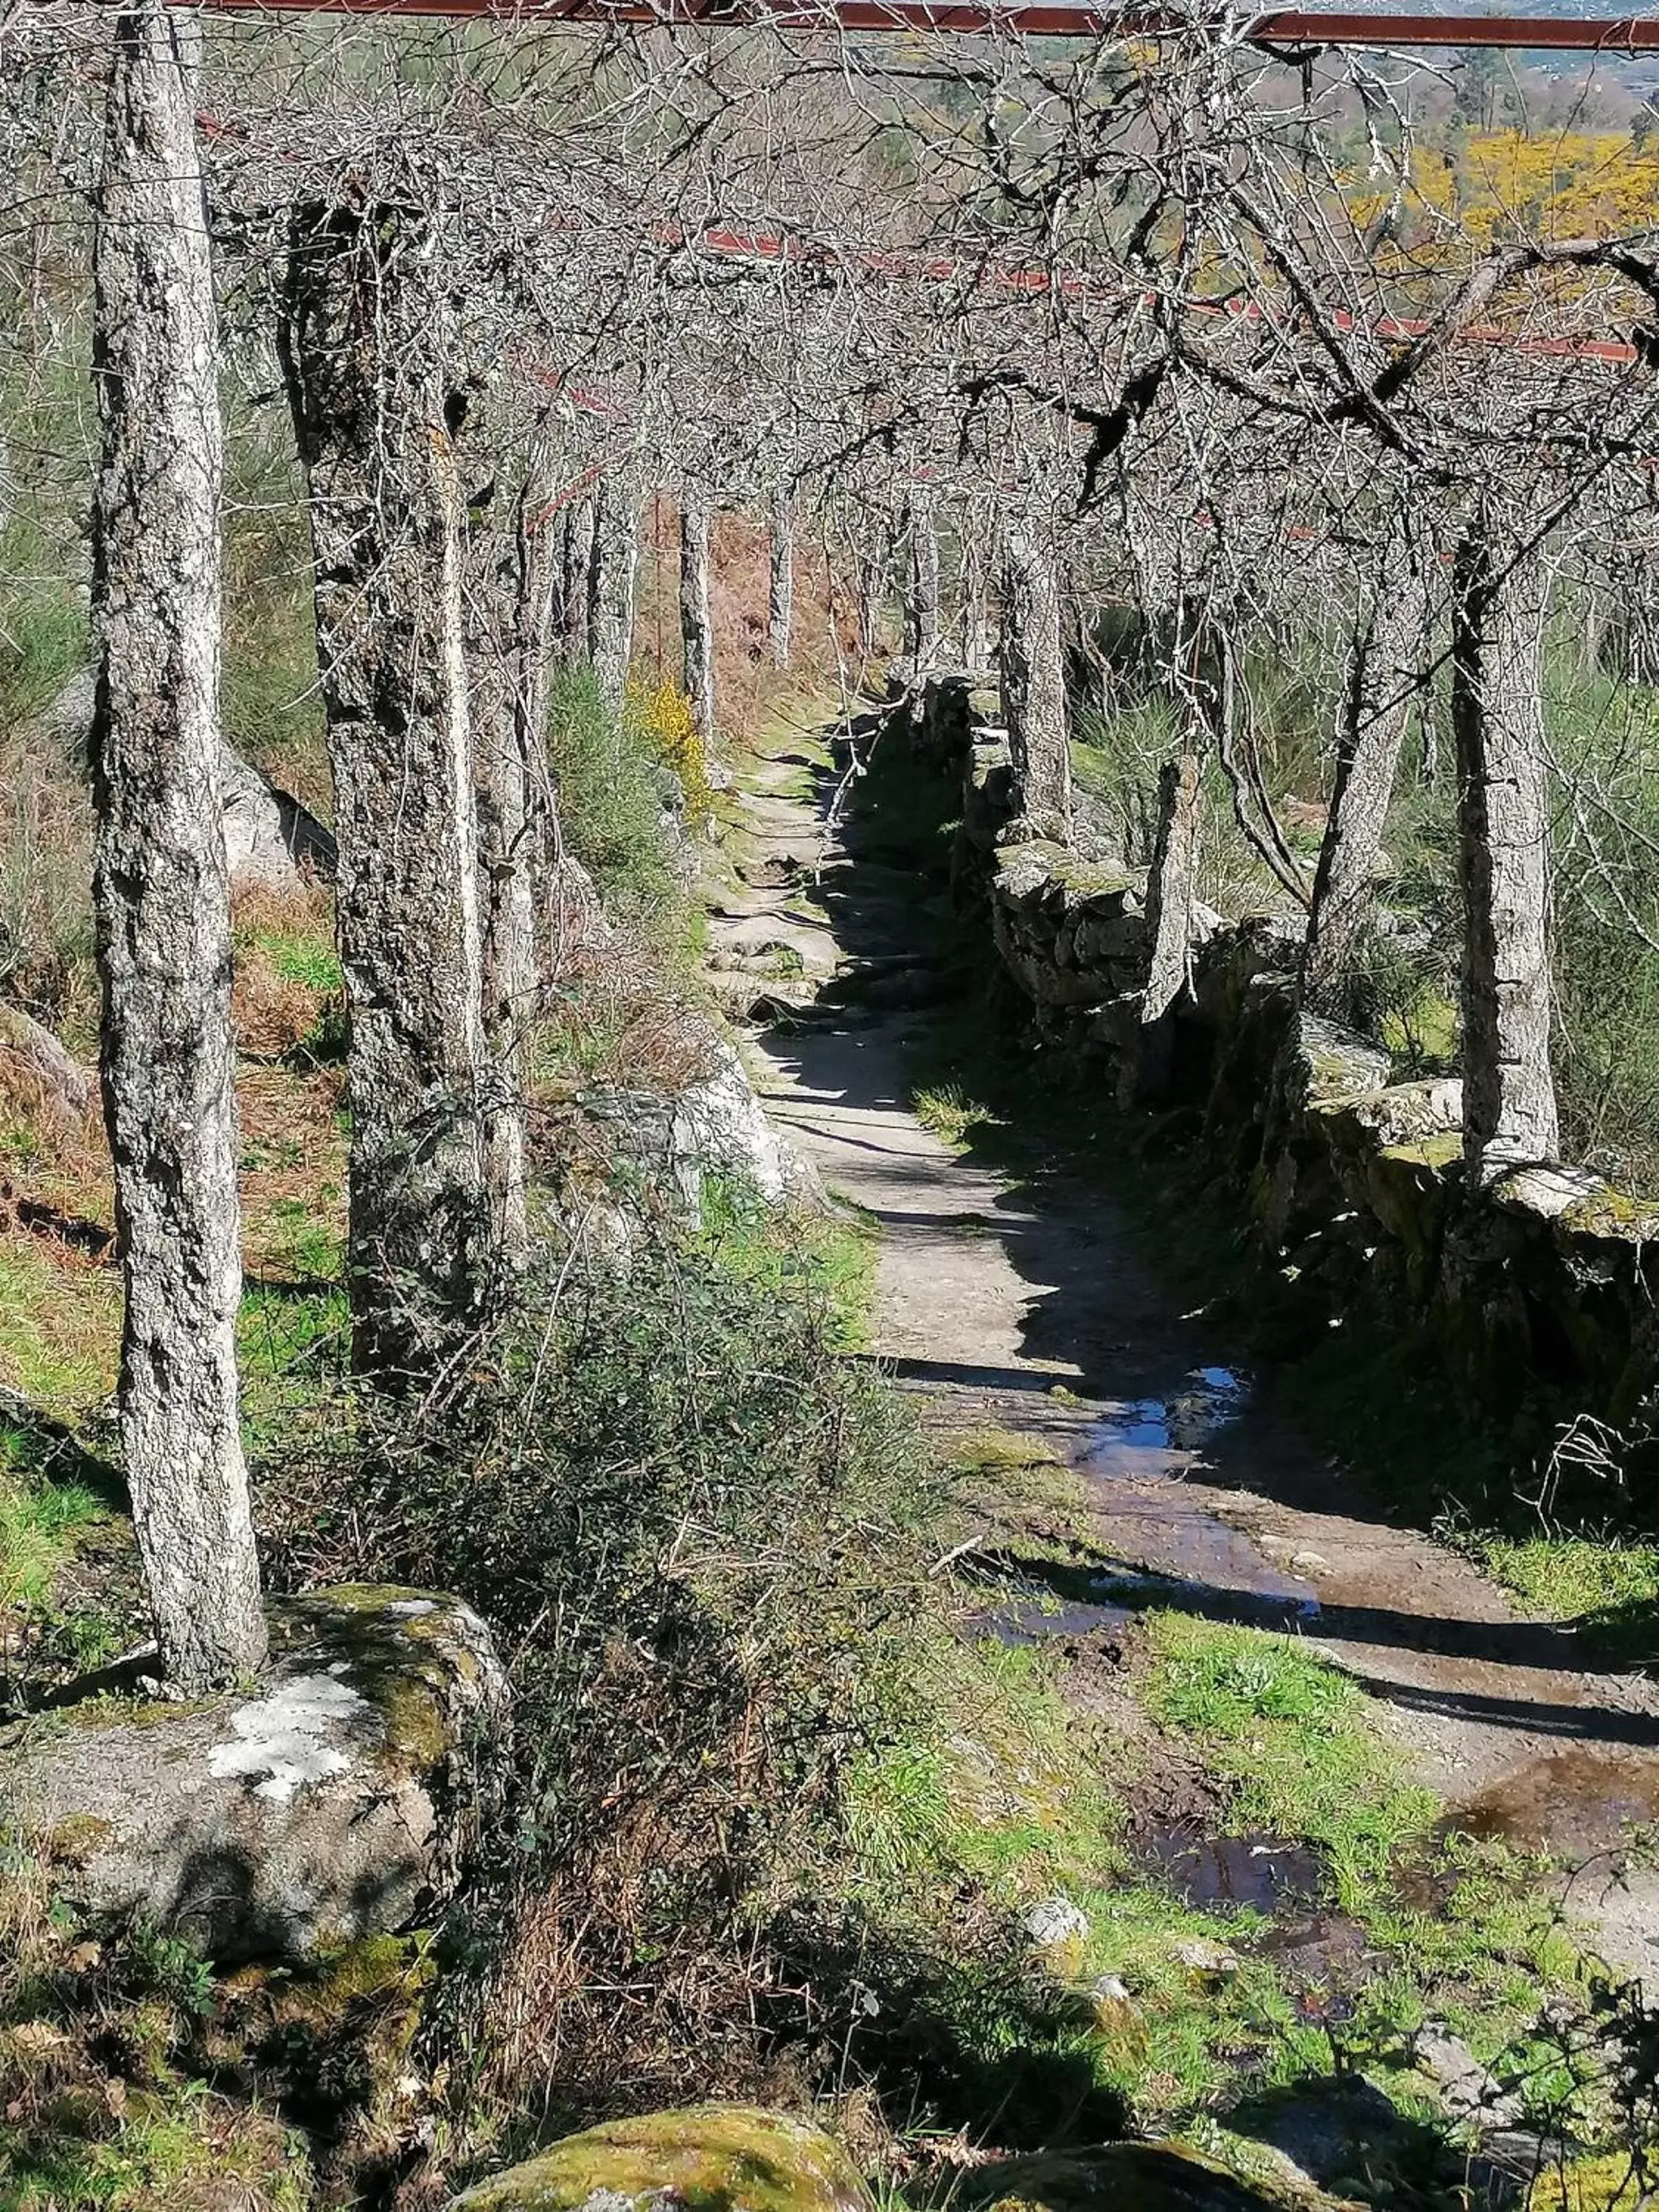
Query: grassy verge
(1029, 1778)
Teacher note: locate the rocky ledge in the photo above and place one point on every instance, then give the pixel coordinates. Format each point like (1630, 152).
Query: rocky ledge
(327, 1802)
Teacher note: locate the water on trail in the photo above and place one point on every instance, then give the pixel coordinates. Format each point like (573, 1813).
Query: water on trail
(1222, 1873)
(1028, 1308)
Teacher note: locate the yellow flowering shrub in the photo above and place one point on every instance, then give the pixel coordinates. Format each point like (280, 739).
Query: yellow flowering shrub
(662, 714)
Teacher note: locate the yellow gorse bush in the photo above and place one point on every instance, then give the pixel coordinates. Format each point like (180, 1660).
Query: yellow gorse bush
(1501, 186)
(662, 714)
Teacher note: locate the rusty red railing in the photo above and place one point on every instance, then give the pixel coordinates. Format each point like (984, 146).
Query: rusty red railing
(1038, 19)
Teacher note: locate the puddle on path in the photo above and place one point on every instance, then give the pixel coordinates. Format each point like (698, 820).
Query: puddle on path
(1217, 1873)
(1321, 1953)
(1028, 1620)
(1196, 1565)
(1156, 1438)
(1570, 1803)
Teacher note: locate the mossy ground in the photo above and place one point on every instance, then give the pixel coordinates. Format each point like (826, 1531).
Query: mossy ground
(1027, 1774)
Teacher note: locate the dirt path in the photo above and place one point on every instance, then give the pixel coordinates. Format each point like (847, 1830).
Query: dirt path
(988, 1304)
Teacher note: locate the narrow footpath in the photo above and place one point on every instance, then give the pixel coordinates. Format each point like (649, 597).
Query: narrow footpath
(1046, 1321)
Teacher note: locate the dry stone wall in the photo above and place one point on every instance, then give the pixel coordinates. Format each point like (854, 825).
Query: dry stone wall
(1539, 1292)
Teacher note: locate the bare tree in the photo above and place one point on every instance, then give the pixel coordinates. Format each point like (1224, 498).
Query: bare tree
(575, 569)
(1499, 598)
(781, 599)
(368, 352)
(160, 887)
(539, 645)
(1384, 677)
(512, 581)
(614, 563)
(973, 628)
(1172, 883)
(697, 630)
(921, 617)
(1034, 685)
(1171, 900)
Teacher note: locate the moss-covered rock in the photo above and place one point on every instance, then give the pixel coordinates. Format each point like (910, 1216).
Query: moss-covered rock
(322, 1806)
(707, 2158)
(1612, 2184)
(1132, 2177)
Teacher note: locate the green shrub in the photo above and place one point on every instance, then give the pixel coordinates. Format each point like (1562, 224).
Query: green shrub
(621, 805)
(690, 1523)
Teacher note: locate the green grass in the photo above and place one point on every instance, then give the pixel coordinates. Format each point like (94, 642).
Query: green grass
(1607, 1585)
(44, 636)
(948, 1110)
(993, 1781)
(59, 1332)
(300, 957)
(828, 1261)
(303, 1246)
(40, 1520)
(613, 789)
(1295, 1737)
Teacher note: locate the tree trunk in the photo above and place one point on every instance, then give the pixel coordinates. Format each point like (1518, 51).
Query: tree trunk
(781, 606)
(921, 643)
(512, 580)
(1034, 688)
(610, 586)
(973, 630)
(1385, 672)
(1171, 897)
(1497, 622)
(870, 588)
(160, 888)
(696, 631)
(1172, 883)
(540, 548)
(575, 575)
(366, 349)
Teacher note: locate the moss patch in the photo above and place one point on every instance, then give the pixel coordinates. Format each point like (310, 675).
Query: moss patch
(709, 2158)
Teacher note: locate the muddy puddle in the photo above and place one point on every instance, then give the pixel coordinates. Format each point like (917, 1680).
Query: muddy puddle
(1153, 1439)
(1572, 1802)
(1220, 1873)
(1321, 1954)
(1038, 1618)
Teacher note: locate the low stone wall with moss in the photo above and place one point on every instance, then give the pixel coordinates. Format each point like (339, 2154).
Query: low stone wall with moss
(1539, 1293)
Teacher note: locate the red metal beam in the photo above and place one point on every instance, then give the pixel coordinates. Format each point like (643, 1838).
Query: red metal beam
(1036, 19)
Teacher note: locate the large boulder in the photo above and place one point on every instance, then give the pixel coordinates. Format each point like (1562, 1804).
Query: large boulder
(720, 2158)
(1139, 2177)
(715, 1126)
(326, 1803)
(270, 840)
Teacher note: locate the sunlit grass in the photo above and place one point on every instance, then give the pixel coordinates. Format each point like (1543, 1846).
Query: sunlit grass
(1295, 1736)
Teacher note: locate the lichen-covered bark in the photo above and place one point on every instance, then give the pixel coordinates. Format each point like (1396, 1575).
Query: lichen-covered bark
(696, 631)
(1385, 670)
(366, 349)
(1499, 595)
(1034, 686)
(781, 607)
(159, 889)
(511, 583)
(616, 556)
